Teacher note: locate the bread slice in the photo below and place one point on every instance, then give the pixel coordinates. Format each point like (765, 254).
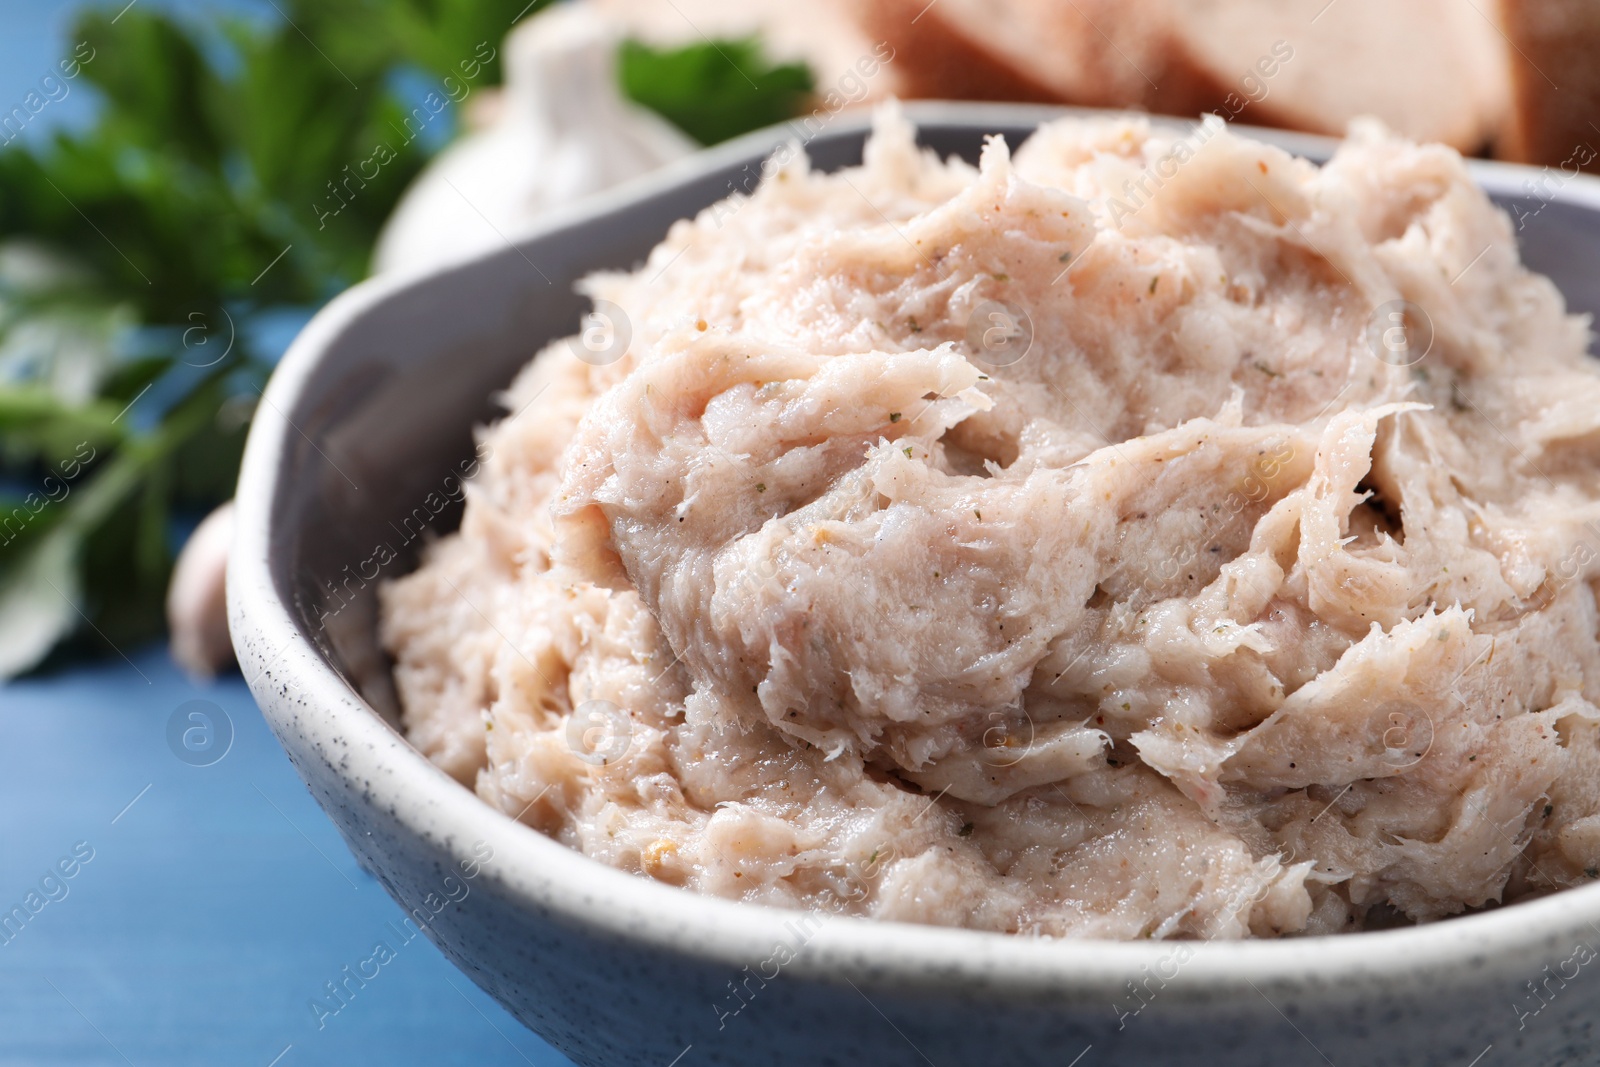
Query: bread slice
(1555, 83)
(1103, 53)
(1431, 69)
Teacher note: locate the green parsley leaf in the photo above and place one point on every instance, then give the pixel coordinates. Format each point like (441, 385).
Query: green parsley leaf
(714, 90)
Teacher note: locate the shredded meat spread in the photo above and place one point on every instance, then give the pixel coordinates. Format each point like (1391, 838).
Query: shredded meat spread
(1144, 536)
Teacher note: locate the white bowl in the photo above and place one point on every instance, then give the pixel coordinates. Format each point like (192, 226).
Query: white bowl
(370, 410)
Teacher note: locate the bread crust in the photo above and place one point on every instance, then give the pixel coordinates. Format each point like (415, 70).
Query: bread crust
(1555, 83)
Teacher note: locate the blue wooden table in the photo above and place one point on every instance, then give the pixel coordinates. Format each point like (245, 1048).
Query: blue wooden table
(208, 902)
(208, 899)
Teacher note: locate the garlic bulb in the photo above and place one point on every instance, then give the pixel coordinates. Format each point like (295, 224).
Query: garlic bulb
(563, 131)
(197, 610)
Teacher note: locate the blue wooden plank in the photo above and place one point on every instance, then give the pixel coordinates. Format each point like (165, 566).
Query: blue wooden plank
(214, 904)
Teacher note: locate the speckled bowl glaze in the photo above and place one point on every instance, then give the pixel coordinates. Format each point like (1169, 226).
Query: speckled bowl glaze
(370, 412)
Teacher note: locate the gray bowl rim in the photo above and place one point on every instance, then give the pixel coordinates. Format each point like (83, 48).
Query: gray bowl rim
(549, 878)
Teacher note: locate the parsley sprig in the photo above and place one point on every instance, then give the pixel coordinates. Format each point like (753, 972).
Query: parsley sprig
(140, 255)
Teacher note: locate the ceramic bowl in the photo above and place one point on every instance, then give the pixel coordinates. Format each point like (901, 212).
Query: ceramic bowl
(372, 409)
